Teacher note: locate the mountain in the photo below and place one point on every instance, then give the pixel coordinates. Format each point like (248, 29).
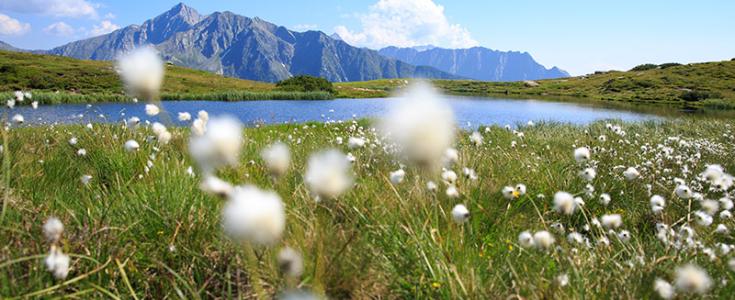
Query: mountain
(8, 47)
(248, 48)
(476, 63)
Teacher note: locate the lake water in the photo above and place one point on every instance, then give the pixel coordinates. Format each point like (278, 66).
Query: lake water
(469, 112)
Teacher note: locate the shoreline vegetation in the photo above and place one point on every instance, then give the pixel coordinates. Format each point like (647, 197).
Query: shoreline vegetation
(56, 80)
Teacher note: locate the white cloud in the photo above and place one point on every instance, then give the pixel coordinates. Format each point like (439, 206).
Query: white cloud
(10, 26)
(59, 29)
(104, 27)
(406, 23)
(56, 8)
(305, 27)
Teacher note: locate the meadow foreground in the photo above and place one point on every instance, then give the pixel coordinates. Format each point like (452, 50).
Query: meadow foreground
(137, 224)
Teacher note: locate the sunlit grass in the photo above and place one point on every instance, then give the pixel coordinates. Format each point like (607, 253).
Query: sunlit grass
(157, 235)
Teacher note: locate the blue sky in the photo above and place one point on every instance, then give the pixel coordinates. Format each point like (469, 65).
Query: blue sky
(579, 36)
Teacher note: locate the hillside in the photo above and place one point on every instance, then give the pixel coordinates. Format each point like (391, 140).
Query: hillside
(55, 73)
(699, 84)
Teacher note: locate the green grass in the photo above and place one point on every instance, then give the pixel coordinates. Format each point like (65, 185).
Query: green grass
(56, 79)
(658, 86)
(377, 240)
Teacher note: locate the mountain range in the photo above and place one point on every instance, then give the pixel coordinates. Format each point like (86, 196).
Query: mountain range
(251, 48)
(477, 63)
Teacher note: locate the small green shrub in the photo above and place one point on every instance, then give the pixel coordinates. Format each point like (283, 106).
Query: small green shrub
(644, 67)
(306, 83)
(668, 65)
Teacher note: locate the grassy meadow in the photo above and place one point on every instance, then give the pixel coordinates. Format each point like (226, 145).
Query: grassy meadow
(142, 228)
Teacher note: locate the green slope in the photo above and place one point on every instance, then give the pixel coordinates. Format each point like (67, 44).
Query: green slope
(56, 79)
(712, 82)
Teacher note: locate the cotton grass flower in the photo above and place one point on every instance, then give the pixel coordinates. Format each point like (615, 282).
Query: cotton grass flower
(18, 119)
(19, 96)
(214, 186)
(254, 215)
(152, 110)
(460, 214)
(452, 192)
(658, 204)
(184, 116)
(277, 158)
(509, 193)
(605, 199)
(582, 154)
(85, 179)
(34, 104)
(564, 203)
(421, 124)
(525, 239)
(142, 72)
(57, 263)
(397, 176)
(543, 239)
(611, 221)
(683, 192)
(52, 229)
(476, 138)
(82, 152)
(290, 262)
(631, 173)
(328, 174)
(664, 289)
(219, 146)
(131, 146)
(588, 174)
(692, 279)
(355, 142)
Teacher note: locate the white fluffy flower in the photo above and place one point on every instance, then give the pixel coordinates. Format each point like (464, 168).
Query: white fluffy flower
(509, 193)
(277, 158)
(152, 110)
(142, 72)
(452, 192)
(691, 278)
(422, 125)
(588, 174)
(198, 127)
(431, 186)
(290, 262)
(664, 289)
(397, 176)
(605, 199)
(214, 186)
(631, 173)
(86, 179)
(460, 214)
(57, 263)
(657, 203)
(525, 239)
(582, 154)
(476, 138)
(131, 146)
(564, 203)
(18, 119)
(355, 142)
(683, 191)
(82, 152)
(219, 146)
(449, 176)
(611, 221)
(543, 239)
(52, 229)
(254, 215)
(328, 174)
(19, 96)
(184, 116)
(34, 104)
